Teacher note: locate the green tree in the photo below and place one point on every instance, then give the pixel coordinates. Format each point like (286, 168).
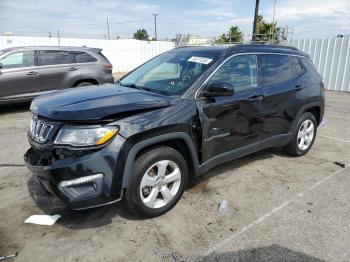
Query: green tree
(266, 31)
(235, 33)
(141, 34)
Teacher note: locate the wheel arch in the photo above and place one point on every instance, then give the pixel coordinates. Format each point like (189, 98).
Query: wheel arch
(314, 108)
(180, 141)
(90, 80)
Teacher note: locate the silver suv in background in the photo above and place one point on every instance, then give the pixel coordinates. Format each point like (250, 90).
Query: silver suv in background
(26, 72)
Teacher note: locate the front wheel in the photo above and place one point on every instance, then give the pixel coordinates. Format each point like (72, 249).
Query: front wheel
(158, 181)
(303, 136)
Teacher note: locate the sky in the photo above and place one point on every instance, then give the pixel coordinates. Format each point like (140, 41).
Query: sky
(206, 18)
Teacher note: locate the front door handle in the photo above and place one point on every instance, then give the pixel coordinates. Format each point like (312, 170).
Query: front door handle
(298, 87)
(32, 73)
(72, 68)
(255, 98)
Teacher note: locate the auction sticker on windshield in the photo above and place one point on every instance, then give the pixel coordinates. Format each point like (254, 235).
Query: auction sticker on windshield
(200, 60)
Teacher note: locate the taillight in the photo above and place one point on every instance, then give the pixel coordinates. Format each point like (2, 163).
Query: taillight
(107, 66)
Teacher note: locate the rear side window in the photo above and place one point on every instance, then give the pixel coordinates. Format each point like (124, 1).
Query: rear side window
(56, 57)
(275, 69)
(298, 68)
(82, 57)
(18, 60)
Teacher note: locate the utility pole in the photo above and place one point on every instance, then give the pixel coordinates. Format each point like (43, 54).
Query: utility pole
(255, 26)
(273, 23)
(58, 37)
(107, 29)
(155, 25)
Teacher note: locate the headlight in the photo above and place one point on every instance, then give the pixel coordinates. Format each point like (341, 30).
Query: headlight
(85, 136)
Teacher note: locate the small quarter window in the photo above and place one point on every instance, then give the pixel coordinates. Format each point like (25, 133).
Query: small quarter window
(82, 57)
(240, 72)
(275, 69)
(298, 68)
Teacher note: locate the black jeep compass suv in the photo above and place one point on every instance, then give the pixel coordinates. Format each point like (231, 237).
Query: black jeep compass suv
(169, 120)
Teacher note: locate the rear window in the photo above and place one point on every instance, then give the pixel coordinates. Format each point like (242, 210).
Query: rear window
(82, 57)
(275, 69)
(56, 57)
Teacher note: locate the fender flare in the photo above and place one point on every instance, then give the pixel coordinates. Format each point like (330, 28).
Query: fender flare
(152, 141)
(304, 108)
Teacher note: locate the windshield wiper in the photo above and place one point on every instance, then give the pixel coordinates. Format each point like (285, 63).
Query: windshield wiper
(135, 86)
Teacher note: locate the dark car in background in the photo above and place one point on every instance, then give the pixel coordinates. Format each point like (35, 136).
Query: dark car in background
(170, 120)
(26, 72)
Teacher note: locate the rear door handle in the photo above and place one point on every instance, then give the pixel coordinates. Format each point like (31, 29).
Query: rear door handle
(72, 68)
(299, 87)
(32, 73)
(255, 98)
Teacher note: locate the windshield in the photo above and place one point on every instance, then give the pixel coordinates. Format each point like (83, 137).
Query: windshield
(170, 73)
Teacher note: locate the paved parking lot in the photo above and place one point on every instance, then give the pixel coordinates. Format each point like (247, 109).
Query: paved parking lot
(279, 208)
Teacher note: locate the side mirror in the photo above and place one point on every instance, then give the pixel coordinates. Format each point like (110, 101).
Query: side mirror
(0, 65)
(218, 89)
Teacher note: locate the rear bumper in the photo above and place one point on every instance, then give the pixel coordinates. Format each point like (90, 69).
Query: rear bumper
(80, 182)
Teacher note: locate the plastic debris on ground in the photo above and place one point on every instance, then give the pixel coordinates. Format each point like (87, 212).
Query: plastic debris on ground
(223, 206)
(45, 220)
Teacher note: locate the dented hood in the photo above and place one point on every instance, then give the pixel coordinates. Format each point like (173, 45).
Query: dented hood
(95, 102)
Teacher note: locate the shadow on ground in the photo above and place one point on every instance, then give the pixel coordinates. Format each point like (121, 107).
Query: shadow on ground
(101, 216)
(273, 253)
(14, 108)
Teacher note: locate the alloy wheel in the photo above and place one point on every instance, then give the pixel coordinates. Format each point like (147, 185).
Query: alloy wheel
(305, 134)
(160, 184)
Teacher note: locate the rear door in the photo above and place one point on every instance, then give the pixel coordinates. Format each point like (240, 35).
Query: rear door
(57, 68)
(279, 83)
(19, 75)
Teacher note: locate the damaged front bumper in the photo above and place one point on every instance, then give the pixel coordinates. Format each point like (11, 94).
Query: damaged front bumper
(80, 182)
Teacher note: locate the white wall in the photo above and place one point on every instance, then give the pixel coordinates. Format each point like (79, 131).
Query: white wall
(124, 54)
(331, 57)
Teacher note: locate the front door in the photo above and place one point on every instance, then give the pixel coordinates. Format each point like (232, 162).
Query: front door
(231, 123)
(19, 76)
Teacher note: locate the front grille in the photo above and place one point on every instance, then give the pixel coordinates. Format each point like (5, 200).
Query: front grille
(39, 129)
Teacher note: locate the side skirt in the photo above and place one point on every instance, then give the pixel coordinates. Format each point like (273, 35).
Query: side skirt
(278, 140)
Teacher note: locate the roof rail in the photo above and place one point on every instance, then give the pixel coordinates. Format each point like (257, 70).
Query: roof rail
(268, 46)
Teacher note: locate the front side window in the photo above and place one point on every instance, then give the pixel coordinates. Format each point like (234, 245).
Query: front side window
(275, 69)
(82, 57)
(18, 60)
(240, 72)
(170, 73)
(56, 57)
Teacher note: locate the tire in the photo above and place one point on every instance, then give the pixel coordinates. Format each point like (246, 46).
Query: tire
(302, 139)
(84, 84)
(148, 194)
